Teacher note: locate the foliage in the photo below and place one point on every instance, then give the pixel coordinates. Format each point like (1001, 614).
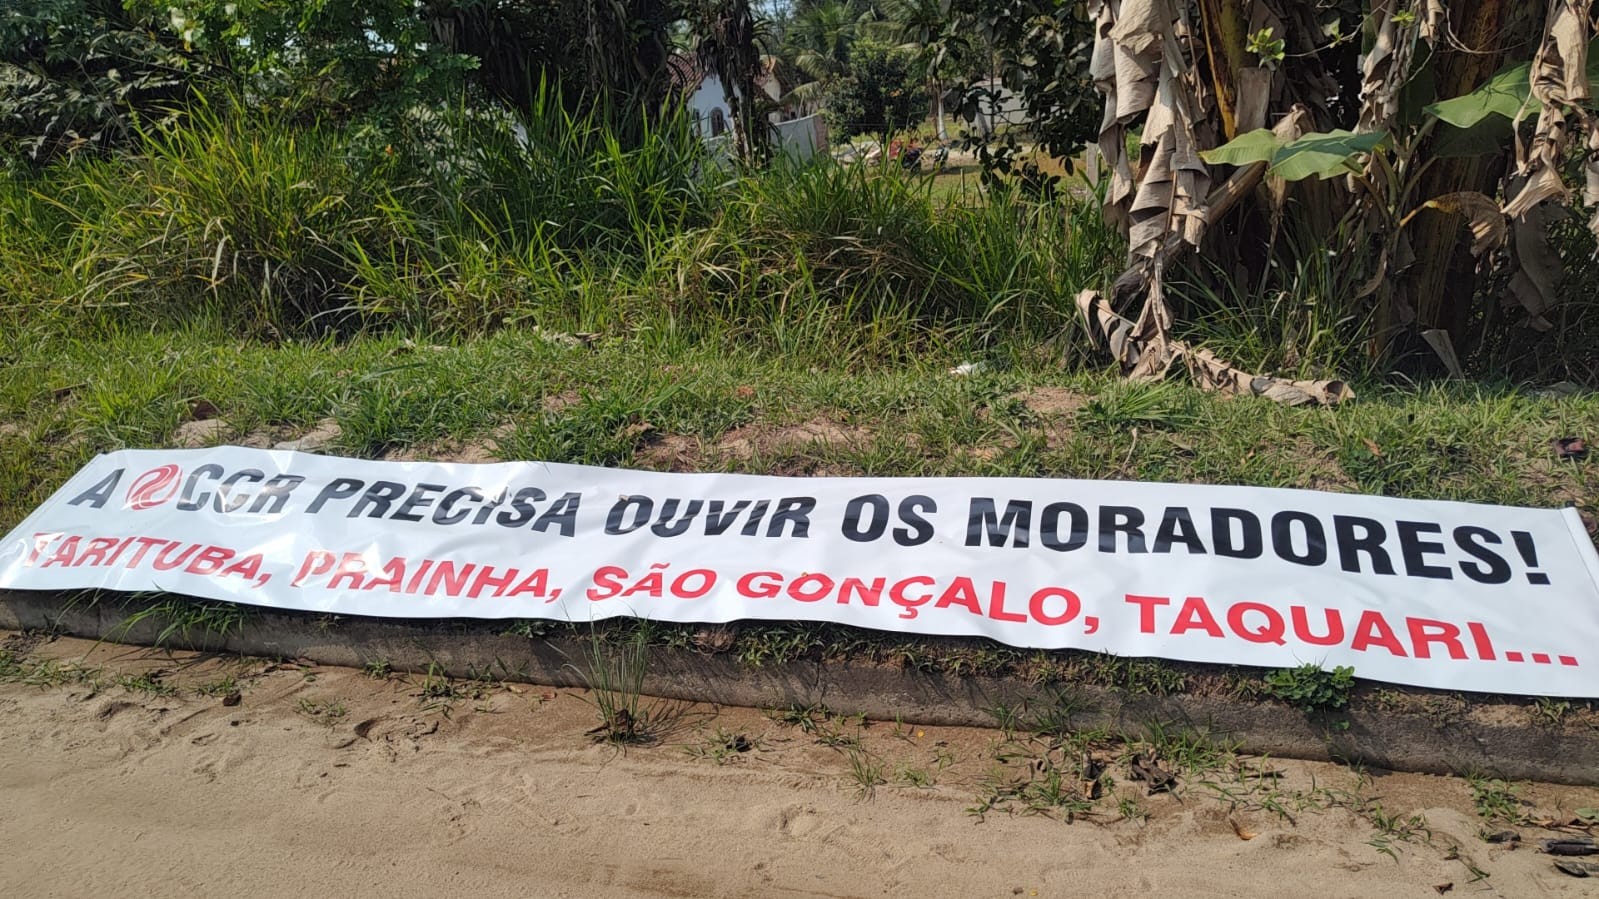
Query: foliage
(74, 74)
(1312, 688)
(881, 94)
(1040, 51)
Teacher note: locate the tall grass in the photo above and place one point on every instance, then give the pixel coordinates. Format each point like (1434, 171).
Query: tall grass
(459, 221)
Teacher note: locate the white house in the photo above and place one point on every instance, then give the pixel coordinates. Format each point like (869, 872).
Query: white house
(799, 136)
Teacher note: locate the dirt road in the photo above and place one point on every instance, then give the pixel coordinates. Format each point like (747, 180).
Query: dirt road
(132, 772)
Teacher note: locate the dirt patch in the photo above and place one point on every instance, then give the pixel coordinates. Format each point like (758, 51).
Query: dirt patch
(1320, 468)
(322, 435)
(1051, 402)
(196, 434)
(670, 452)
(762, 440)
(556, 402)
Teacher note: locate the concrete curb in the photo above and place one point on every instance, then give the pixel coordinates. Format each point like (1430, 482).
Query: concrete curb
(1487, 737)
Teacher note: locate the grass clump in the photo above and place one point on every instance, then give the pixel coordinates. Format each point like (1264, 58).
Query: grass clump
(614, 673)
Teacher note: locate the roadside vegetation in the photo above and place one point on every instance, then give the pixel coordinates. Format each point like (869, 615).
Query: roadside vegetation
(387, 246)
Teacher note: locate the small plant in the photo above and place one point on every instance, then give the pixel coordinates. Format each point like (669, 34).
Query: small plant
(614, 675)
(149, 683)
(378, 669)
(1314, 689)
(1552, 713)
(865, 770)
(910, 776)
(1006, 717)
(809, 718)
(322, 711)
(438, 692)
(1131, 809)
(1496, 801)
(1268, 48)
(722, 746)
(222, 686)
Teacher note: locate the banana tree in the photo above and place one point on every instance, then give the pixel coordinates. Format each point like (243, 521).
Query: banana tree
(1391, 125)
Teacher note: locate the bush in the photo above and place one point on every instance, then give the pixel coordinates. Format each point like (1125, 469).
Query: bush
(883, 92)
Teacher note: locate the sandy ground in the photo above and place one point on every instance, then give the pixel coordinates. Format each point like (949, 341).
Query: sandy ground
(330, 782)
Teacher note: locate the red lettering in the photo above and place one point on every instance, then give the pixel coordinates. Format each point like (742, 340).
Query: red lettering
(1335, 626)
(1146, 610)
(1195, 615)
(209, 560)
(1035, 605)
(961, 592)
(1373, 630)
(316, 562)
(351, 568)
(1425, 631)
(996, 606)
(97, 550)
(771, 585)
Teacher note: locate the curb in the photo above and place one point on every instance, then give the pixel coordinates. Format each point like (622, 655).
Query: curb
(1488, 736)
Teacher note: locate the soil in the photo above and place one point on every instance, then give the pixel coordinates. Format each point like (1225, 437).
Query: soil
(331, 781)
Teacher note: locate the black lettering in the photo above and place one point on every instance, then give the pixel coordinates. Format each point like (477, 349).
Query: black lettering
(378, 498)
(1473, 542)
(919, 529)
(1115, 520)
(717, 521)
(643, 507)
(1077, 528)
(793, 510)
(1415, 550)
(235, 503)
(1177, 526)
(1368, 541)
(338, 488)
(562, 515)
(874, 528)
(983, 521)
(1282, 538)
(1248, 544)
(446, 513)
(665, 527)
(522, 509)
(97, 495)
(189, 502)
(274, 494)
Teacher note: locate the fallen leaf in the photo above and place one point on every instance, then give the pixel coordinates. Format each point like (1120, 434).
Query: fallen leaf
(1569, 846)
(1372, 446)
(1443, 888)
(232, 699)
(1572, 448)
(1503, 836)
(1246, 834)
(203, 410)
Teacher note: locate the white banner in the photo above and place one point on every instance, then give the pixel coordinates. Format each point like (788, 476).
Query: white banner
(1434, 594)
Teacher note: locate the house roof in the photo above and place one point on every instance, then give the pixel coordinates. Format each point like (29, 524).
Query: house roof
(686, 72)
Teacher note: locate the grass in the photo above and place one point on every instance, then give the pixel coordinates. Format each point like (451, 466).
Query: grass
(614, 674)
(323, 711)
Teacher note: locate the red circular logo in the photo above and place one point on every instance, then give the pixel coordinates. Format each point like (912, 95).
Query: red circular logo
(154, 487)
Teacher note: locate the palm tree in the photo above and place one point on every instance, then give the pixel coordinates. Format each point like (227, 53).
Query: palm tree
(928, 30)
(817, 43)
